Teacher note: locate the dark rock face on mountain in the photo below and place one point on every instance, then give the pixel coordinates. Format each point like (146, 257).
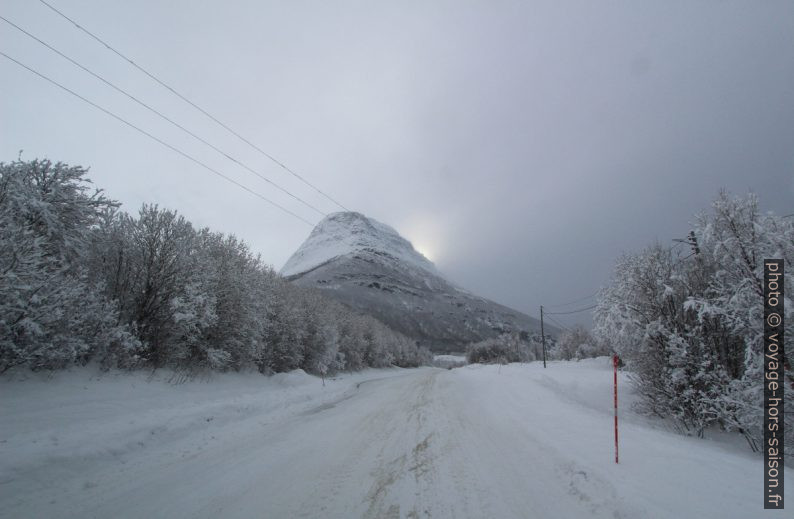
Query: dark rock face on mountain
(370, 267)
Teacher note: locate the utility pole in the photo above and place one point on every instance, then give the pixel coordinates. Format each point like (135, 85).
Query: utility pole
(615, 362)
(543, 336)
(693, 241)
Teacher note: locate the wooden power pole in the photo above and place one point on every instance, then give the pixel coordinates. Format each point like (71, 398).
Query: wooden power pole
(543, 336)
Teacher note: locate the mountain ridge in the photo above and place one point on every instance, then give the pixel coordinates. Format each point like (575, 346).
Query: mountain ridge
(369, 266)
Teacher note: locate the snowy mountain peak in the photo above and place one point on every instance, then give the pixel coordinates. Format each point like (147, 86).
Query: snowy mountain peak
(369, 267)
(344, 233)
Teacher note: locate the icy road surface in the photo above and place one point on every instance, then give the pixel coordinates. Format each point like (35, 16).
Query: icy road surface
(476, 442)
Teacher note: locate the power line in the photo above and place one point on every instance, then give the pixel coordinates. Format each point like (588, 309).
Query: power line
(575, 301)
(558, 323)
(573, 311)
(162, 116)
(191, 103)
(156, 139)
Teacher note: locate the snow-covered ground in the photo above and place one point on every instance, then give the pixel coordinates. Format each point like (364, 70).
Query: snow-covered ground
(477, 441)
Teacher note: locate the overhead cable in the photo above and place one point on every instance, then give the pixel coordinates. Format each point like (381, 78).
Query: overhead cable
(156, 139)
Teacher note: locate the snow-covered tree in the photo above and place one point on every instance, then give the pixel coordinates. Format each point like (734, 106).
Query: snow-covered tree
(690, 324)
(577, 343)
(507, 347)
(81, 280)
(52, 312)
(733, 241)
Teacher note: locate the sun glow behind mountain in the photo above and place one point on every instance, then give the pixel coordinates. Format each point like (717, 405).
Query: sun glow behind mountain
(425, 233)
(424, 251)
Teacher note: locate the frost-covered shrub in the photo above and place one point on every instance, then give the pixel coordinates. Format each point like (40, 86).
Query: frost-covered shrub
(578, 343)
(508, 347)
(690, 325)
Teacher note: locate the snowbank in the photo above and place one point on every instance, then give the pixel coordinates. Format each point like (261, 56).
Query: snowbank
(63, 422)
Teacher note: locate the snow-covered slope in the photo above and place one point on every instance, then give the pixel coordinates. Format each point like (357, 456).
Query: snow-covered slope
(369, 266)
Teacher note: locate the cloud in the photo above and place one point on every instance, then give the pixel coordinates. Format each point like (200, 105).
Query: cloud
(525, 145)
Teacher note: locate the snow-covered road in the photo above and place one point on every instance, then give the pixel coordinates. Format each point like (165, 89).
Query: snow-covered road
(474, 442)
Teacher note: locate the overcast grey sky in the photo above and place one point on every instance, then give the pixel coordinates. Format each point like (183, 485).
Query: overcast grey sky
(521, 145)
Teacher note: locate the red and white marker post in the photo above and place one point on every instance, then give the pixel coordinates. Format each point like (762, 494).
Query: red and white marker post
(615, 372)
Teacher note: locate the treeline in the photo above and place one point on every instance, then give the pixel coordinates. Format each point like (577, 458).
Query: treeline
(82, 281)
(506, 348)
(577, 343)
(572, 344)
(689, 320)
